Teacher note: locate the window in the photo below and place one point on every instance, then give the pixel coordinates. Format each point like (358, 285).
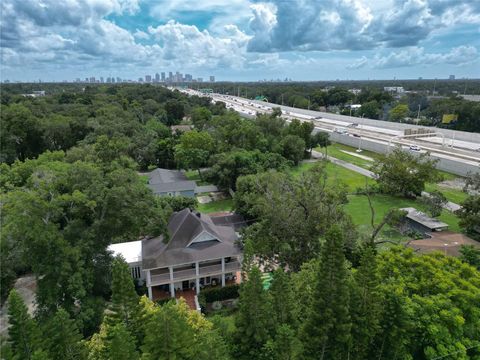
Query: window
(136, 272)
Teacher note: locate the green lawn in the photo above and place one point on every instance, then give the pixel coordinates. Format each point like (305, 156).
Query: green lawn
(453, 195)
(359, 210)
(336, 174)
(193, 175)
(216, 206)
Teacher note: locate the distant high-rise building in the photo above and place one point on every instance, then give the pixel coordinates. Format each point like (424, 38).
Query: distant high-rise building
(451, 77)
(77, 80)
(188, 77)
(113, 79)
(170, 76)
(157, 77)
(148, 78)
(86, 79)
(212, 78)
(92, 79)
(163, 76)
(140, 79)
(101, 79)
(118, 79)
(200, 79)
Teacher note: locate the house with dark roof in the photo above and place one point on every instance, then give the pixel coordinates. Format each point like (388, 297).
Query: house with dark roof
(421, 222)
(165, 182)
(198, 252)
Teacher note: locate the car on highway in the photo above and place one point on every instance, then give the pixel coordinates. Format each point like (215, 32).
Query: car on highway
(414, 148)
(318, 117)
(356, 135)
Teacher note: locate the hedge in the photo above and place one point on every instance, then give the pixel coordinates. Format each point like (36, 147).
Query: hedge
(220, 293)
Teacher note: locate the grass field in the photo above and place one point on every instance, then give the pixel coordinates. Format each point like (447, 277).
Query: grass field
(453, 195)
(216, 206)
(336, 174)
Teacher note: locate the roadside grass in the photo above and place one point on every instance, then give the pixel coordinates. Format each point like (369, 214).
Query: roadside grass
(216, 206)
(453, 195)
(336, 174)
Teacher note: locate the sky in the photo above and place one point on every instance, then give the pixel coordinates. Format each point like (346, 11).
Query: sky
(240, 40)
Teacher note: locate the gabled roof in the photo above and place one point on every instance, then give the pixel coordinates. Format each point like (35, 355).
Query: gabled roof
(183, 227)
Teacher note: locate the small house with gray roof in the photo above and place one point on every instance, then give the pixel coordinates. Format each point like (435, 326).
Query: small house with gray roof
(198, 252)
(165, 182)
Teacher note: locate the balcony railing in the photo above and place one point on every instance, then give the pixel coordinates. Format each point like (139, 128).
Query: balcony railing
(189, 274)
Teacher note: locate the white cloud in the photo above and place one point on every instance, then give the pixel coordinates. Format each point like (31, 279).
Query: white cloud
(414, 56)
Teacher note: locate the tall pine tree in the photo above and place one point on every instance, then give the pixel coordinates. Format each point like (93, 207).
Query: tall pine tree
(253, 319)
(62, 340)
(120, 344)
(366, 305)
(124, 306)
(281, 298)
(23, 335)
(326, 333)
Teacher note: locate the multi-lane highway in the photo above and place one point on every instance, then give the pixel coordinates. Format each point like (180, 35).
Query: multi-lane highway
(348, 130)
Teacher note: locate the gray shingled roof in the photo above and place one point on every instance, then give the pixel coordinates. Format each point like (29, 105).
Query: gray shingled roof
(424, 219)
(183, 227)
(164, 180)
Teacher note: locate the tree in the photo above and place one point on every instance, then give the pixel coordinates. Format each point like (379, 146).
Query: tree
(301, 129)
(124, 303)
(469, 215)
(321, 138)
(293, 148)
(403, 173)
(399, 112)
(228, 167)
(366, 306)
(61, 338)
(194, 150)
(284, 346)
(175, 112)
(434, 202)
(23, 335)
(112, 342)
(282, 300)
(471, 255)
(253, 319)
(370, 109)
(201, 116)
(326, 332)
(292, 214)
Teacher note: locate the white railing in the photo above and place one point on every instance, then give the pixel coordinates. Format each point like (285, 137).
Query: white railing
(191, 273)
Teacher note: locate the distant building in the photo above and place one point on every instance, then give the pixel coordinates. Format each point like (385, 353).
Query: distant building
(148, 78)
(163, 76)
(394, 89)
(35, 93)
(92, 79)
(157, 77)
(212, 78)
(200, 79)
(170, 76)
(451, 77)
(119, 80)
(140, 79)
(101, 79)
(188, 78)
(355, 91)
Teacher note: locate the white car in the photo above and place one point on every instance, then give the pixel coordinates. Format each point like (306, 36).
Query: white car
(414, 148)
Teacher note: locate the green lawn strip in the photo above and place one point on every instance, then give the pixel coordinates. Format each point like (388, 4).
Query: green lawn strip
(216, 206)
(193, 176)
(359, 210)
(453, 195)
(336, 174)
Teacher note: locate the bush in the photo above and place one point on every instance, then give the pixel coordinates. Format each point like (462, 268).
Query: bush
(219, 293)
(217, 305)
(163, 301)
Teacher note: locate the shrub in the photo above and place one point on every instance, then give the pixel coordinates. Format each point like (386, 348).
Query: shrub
(219, 293)
(163, 301)
(217, 305)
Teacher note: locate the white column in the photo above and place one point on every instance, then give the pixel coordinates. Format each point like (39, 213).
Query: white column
(197, 277)
(223, 271)
(172, 284)
(149, 281)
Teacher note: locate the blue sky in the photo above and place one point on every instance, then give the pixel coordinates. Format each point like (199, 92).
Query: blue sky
(240, 39)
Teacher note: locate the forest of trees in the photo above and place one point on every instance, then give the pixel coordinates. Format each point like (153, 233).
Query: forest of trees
(69, 187)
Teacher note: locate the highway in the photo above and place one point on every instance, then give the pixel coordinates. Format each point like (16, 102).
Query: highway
(466, 153)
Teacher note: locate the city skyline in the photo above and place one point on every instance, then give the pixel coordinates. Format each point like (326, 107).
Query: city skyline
(247, 40)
